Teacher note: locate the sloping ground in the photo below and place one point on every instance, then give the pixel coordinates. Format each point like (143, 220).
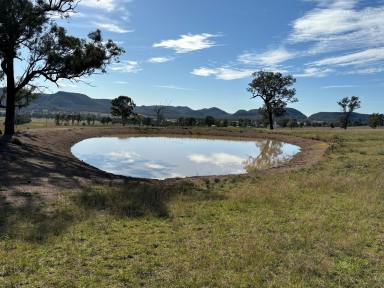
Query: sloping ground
(320, 226)
(43, 162)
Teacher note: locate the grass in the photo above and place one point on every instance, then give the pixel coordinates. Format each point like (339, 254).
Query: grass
(316, 227)
(38, 123)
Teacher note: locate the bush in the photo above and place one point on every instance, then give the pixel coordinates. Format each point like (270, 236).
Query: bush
(376, 120)
(283, 122)
(292, 123)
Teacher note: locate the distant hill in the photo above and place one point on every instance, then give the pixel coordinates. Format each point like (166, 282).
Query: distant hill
(254, 114)
(66, 101)
(174, 112)
(81, 103)
(334, 117)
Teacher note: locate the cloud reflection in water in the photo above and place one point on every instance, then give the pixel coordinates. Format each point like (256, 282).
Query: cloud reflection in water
(162, 157)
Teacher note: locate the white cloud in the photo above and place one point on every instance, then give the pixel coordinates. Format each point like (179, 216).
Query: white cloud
(336, 26)
(340, 27)
(338, 86)
(223, 73)
(219, 159)
(113, 28)
(108, 5)
(335, 3)
(124, 156)
(154, 166)
(126, 67)
(122, 82)
(204, 72)
(172, 87)
(268, 58)
(66, 84)
(158, 60)
(369, 70)
(358, 58)
(314, 72)
(188, 43)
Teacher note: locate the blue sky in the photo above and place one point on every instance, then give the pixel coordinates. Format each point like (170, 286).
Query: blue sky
(201, 53)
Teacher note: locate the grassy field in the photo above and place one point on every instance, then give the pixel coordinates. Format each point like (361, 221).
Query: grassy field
(316, 227)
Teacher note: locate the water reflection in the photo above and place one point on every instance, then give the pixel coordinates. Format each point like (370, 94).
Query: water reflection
(271, 155)
(163, 157)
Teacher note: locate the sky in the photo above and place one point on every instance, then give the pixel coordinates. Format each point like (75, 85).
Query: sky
(201, 53)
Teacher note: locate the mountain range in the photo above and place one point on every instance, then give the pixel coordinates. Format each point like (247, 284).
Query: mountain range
(81, 103)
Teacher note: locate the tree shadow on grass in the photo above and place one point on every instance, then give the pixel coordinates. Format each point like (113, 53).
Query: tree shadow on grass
(135, 200)
(28, 165)
(36, 221)
(32, 220)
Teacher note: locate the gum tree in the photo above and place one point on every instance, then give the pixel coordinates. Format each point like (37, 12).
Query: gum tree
(32, 41)
(123, 107)
(348, 106)
(274, 89)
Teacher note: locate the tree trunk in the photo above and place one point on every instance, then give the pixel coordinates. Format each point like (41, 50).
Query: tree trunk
(11, 97)
(347, 116)
(270, 116)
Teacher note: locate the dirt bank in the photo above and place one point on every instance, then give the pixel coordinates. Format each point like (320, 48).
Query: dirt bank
(43, 163)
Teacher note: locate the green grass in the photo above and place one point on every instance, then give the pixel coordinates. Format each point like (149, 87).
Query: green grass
(317, 227)
(38, 123)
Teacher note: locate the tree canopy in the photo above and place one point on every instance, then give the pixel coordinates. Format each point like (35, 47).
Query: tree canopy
(375, 120)
(123, 107)
(29, 35)
(273, 88)
(348, 106)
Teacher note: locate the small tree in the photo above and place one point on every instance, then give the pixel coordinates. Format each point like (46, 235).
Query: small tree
(123, 107)
(283, 122)
(292, 123)
(160, 114)
(348, 105)
(190, 121)
(147, 121)
(273, 89)
(375, 120)
(209, 121)
(57, 119)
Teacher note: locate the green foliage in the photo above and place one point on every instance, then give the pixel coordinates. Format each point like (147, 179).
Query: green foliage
(348, 106)
(123, 107)
(147, 121)
(274, 89)
(283, 122)
(375, 120)
(292, 123)
(209, 121)
(106, 120)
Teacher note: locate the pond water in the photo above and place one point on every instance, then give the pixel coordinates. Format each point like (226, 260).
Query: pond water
(170, 157)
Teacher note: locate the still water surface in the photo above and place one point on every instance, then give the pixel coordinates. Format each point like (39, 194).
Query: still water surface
(169, 157)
